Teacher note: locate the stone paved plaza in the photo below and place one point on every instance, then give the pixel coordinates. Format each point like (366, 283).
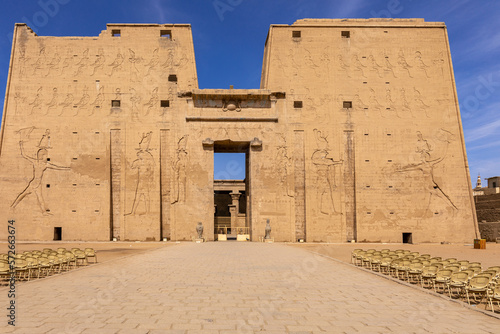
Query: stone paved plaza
(233, 288)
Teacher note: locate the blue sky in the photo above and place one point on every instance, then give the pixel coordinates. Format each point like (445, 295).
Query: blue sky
(229, 38)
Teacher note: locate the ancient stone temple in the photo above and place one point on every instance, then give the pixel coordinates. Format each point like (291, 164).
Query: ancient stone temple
(354, 134)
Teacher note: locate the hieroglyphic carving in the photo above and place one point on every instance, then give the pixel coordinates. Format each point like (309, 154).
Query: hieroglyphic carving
(144, 164)
(284, 164)
(359, 105)
(53, 102)
(374, 104)
(40, 165)
(419, 102)
(23, 60)
(169, 62)
(429, 158)
(83, 102)
(18, 99)
(99, 101)
(67, 103)
(83, 63)
(388, 67)
(403, 63)
(151, 65)
(37, 102)
(116, 167)
(53, 65)
(300, 184)
(311, 64)
(325, 174)
(350, 185)
(439, 62)
(99, 62)
(67, 62)
(39, 62)
(404, 102)
(357, 65)
(134, 72)
(135, 99)
(165, 183)
(374, 66)
(343, 65)
(116, 65)
(153, 102)
(390, 104)
(419, 63)
(179, 168)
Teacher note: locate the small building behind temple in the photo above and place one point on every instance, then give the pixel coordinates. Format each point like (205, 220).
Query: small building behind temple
(493, 186)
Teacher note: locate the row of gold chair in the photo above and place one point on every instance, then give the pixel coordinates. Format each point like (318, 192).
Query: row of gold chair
(35, 264)
(460, 278)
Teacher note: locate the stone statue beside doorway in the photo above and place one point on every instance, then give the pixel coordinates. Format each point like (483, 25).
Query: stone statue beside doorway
(268, 231)
(199, 230)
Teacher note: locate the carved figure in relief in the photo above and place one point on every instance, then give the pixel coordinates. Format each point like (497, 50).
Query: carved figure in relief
(183, 61)
(53, 102)
(169, 62)
(311, 64)
(374, 104)
(99, 100)
(134, 60)
(153, 102)
(325, 59)
(428, 161)
(390, 105)
(419, 63)
(405, 105)
(179, 168)
(67, 103)
(37, 102)
(284, 164)
(40, 165)
(40, 61)
(135, 99)
(99, 62)
(359, 105)
(151, 65)
(67, 62)
(53, 64)
(83, 63)
(374, 67)
(439, 62)
(419, 102)
(388, 67)
(18, 99)
(403, 63)
(325, 170)
(358, 66)
(83, 102)
(343, 65)
(23, 60)
(116, 65)
(144, 164)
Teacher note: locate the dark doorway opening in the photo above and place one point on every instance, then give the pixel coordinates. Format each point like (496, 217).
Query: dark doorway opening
(407, 238)
(57, 233)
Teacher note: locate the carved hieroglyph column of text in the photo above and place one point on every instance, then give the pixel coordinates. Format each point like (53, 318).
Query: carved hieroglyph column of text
(300, 183)
(165, 176)
(116, 166)
(350, 185)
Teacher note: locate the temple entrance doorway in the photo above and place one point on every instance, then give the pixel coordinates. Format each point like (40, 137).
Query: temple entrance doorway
(231, 191)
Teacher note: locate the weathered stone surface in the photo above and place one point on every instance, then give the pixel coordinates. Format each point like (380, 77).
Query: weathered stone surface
(354, 134)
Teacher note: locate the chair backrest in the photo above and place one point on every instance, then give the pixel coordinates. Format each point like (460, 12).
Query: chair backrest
(444, 273)
(490, 273)
(438, 258)
(426, 256)
(469, 272)
(496, 268)
(453, 268)
(445, 263)
(430, 269)
(479, 281)
(459, 276)
(476, 270)
(416, 265)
